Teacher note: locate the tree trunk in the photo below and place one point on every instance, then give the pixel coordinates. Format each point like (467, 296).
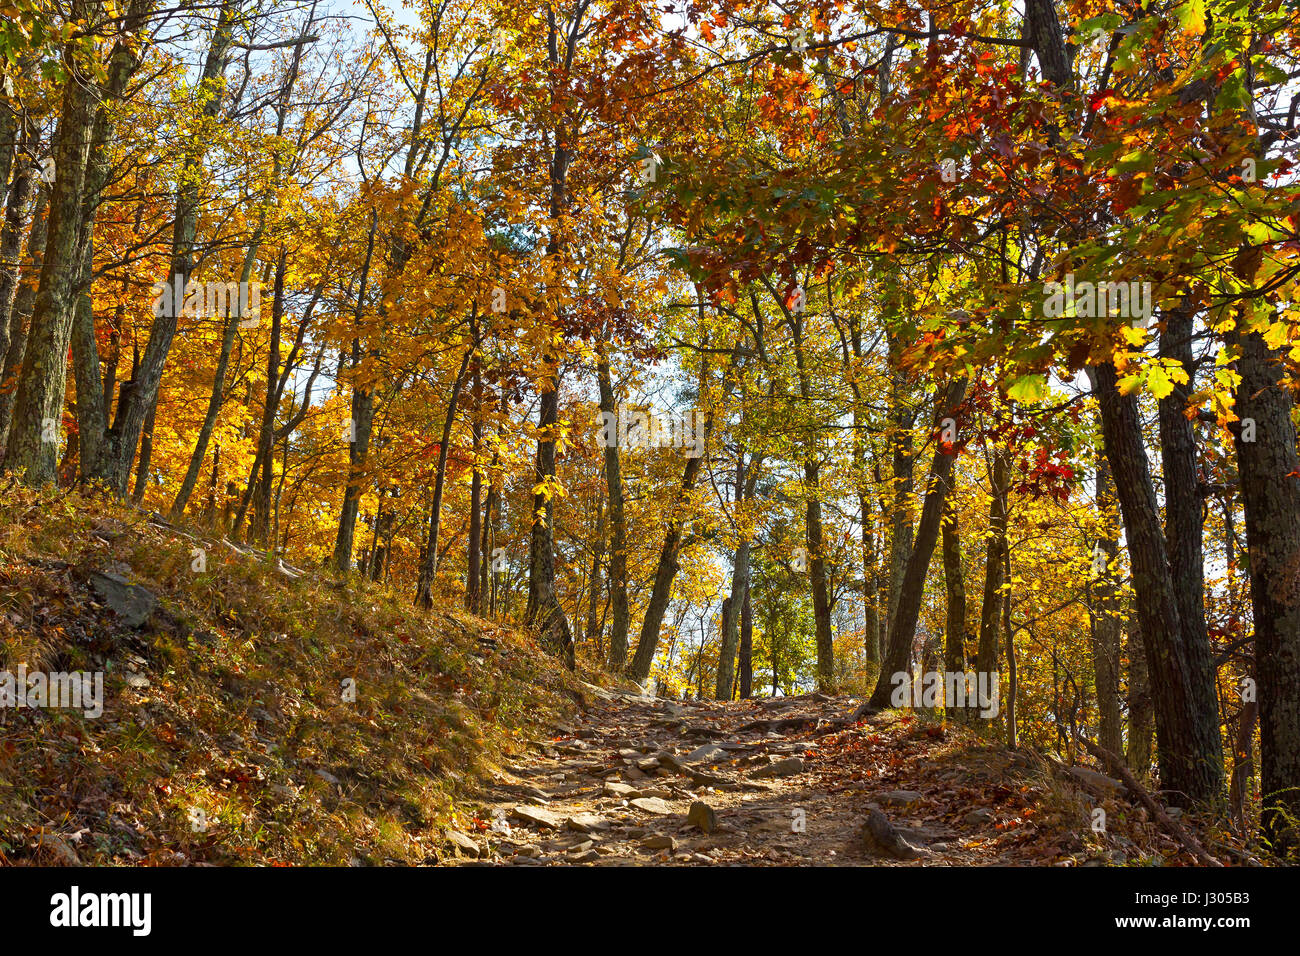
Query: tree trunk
(902, 624)
(954, 646)
(739, 585)
(472, 593)
(1141, 713)
(428, 577)
(544, 611)
(746, 647)
(38, 406)
(591, 631)
(870, 582)
(18, 318)
(666, 569)
(1270, 490)
(986, 659)
(1187, 730)
(619, 622)
(363, 413)
(1104, 613)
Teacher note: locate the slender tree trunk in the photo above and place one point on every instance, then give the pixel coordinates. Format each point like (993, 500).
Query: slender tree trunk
(986, 660)
(11, 247)
(739, 586)
(746, 647)
(902, 625)
(666, 569)
(954, 646)
(544, 611)
(1106, 623)
(817, 579)
(620, 622)
(363, 413)
(19, 317)
(146, 456)
(472, 593)
(424, 595)
(591, 634)
(870, 581)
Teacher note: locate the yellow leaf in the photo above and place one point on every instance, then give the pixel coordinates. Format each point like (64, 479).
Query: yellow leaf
(1159, 382)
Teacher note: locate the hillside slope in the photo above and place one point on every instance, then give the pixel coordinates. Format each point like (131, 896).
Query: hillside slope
(254, 714)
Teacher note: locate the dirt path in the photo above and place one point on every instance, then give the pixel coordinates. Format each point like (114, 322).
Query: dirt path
(780, 782)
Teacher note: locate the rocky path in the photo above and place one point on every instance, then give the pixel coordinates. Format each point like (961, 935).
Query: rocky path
(643, 781)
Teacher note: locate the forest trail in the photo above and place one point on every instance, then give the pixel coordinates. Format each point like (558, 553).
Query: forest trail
(785, 781)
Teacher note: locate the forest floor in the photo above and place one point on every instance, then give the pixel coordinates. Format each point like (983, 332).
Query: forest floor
(787, 781)
(255, 713)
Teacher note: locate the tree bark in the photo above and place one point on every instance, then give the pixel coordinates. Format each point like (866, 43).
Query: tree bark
(1104, 612)
(619, 621)
(38, 406)
(1187, 729)
(902, 625)
(954, 646)
(986, 659)
(1270, 489)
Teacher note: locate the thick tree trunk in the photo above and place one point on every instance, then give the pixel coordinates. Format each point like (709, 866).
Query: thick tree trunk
(1141, 711)
(1270, 489)
(1183, 505)
(1187, 729)
(38, 407)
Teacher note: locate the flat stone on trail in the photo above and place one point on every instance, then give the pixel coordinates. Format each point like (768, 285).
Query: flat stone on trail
(702, 817)
(621, 790)
(651, 805)
(662, 792)
(659, 841)
(538, 817)
(782, 768)
(899, 798)
(587, 822)
(706, 754)
(463, 843)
